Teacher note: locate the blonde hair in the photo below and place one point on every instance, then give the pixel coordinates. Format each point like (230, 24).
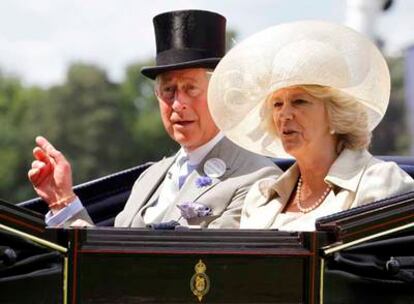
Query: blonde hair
(347, 117)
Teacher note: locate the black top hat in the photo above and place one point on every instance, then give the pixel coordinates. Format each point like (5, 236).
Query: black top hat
(187, 39)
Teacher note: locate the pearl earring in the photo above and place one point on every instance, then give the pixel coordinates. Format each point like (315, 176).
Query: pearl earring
(332, 132)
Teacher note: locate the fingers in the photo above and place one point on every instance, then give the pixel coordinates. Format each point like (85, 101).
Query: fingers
(42, 159)
(49, 149)
(33, 176)
(39, 172)
(38, 164)
(49, 165)
(39, 154)
(37, 175)
(45, 145)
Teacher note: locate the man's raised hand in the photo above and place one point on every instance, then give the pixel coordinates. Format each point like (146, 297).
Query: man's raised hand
(51, 175)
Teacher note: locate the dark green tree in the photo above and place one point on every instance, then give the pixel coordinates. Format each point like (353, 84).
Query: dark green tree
(391, 137)
(89, 126)
(21, 109)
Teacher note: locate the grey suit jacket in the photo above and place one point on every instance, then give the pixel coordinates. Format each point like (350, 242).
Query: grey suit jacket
(224, 196)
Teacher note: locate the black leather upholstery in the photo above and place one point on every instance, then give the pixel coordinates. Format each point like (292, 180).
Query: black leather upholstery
(105, 197)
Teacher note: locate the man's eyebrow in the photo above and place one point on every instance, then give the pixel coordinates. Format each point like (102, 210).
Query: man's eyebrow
(188, 78)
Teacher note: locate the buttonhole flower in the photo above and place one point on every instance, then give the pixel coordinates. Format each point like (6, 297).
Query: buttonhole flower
(203, 181)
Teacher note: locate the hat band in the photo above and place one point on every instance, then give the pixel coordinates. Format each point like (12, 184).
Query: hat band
(176, 56)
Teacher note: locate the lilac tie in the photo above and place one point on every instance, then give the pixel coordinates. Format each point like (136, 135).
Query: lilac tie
(185, 171)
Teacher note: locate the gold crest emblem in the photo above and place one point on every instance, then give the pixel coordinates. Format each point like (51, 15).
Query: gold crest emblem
(200, 283)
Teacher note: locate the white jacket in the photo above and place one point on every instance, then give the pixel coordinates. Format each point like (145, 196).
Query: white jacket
(357, 177)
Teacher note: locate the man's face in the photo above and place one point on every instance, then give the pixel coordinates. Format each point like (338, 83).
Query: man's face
(182, 97)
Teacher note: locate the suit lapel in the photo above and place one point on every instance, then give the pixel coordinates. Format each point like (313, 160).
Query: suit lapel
(190, 192)
(149, 186)
(153, 180)
(261, 208)
(138, 220)
(263, 216)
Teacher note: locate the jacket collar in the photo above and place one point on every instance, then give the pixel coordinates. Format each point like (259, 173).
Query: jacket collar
(345, 173)
(347, 170)
(263, 208)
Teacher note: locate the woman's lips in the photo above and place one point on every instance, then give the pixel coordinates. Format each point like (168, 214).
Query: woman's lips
(289, 132)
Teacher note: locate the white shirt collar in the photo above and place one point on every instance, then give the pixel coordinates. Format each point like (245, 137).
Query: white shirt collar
(197, 155)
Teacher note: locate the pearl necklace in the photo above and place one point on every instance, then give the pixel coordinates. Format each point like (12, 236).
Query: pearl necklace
(315, 204)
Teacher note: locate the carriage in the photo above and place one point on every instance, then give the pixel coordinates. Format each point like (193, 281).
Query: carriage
(362, 255)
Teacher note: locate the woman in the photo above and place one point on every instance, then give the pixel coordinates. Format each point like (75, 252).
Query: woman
(315, 91)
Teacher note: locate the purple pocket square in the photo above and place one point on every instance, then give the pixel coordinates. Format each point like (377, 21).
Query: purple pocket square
(193, 209)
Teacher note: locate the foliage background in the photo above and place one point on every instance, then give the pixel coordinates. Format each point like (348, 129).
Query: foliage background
(103, 127)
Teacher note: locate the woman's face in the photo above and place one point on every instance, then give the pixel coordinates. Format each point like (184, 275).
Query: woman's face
(301, 122)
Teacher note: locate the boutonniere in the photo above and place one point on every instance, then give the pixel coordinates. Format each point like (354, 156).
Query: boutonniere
(193, 209)
(213, 168)
(203, 181)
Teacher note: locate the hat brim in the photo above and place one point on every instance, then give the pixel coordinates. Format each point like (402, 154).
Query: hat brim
(288, 55)
(152, 72)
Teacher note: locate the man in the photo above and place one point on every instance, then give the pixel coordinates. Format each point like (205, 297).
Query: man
(205, 183)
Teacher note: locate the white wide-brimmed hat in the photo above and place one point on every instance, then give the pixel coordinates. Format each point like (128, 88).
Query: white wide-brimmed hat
(298, 53)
